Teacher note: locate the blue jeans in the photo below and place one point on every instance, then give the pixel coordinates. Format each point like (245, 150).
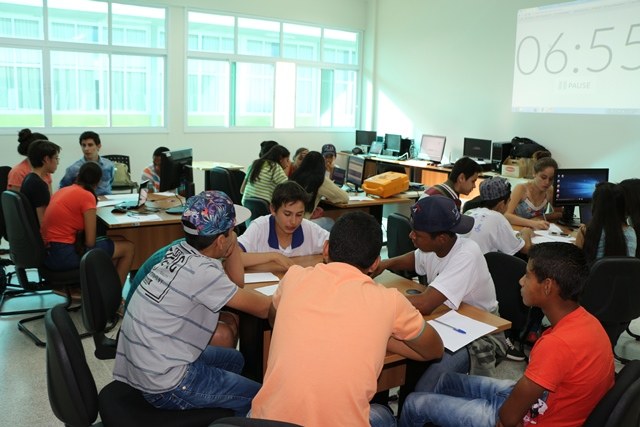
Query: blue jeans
(457, 400)
(212, 381)
(450, 362)
(381, 416)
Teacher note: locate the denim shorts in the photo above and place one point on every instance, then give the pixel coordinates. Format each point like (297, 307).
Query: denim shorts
(63, 256)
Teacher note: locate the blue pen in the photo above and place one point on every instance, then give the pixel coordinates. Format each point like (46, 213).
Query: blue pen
(452, 327)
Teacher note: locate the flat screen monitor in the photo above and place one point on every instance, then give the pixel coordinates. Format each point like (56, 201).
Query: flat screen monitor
(355, 171)
(176, 172)
(376, 147)
(365, 137)
(432, 148)
(575, 187)
(477, 149)
(392, 142)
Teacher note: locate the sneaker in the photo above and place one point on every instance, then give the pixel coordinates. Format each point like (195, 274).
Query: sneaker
(514, 353)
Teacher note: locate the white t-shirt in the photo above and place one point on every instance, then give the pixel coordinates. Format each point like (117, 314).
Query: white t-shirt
(308, 239)
(492, 232)
(461, 276)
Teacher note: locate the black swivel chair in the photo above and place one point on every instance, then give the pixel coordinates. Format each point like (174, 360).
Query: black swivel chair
(74, 398)
(398, 241)
(123, 159)
(612, 294)
(620, 406)
(249, 422)
(4, 179)
(258, 207)
(227, 181)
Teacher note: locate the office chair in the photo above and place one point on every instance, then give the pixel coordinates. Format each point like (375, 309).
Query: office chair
(123, 159)
(249, 422)
(398, 241)
(472, 204)
(611, 294)
(4, 179)
(620, 406)
(258, 207)
(27, 252)
(227, 181)
(101, 296)
(73, 395)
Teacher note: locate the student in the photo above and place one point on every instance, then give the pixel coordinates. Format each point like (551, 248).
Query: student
(332, 326)
(329, 153)
(530, 201)
(90, 144)
(152, 172)
(298, 157)
(570, 369)
(44, 157)
(175, 313)
(285, 230)
(69, 226)
(22, 169)
(608, 233)
(456, 272)
(631, 188)
(491, 230)
(265, 146)
(462, 180)
(265, 173)
(311, 176)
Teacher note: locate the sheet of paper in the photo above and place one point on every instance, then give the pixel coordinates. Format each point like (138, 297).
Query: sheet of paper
(268, 290)
(360, 198)
(130, 217)
(165, 194)
(553, 234)
(103, 203)
(121, 197)
(260, 277)
(454, 340)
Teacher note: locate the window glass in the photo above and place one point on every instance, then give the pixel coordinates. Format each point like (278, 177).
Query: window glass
(340, 47)
(78, 21)
(137, 95)
(211, 33)
(301, 42)
(208, 93)
(22, 20)
(258, 37)
(307, 97)
(21, 101)
(137, 25)
(254, 94)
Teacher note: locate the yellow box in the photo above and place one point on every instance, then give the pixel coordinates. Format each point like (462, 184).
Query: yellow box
(386, 184)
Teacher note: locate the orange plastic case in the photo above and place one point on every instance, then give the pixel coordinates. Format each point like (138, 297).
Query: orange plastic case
(386, 184)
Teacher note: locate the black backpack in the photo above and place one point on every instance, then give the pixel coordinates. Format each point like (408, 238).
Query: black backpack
(524, 147)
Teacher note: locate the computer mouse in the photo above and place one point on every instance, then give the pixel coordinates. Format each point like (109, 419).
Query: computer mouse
(118, 211)
(413, 291)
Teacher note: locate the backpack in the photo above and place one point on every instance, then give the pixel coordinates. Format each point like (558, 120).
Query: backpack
(524, 147)
(121, 176)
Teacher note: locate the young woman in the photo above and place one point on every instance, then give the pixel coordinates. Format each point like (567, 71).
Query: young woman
(44, 157)
(265, 173)
(69, 226)
(631, 188)
(22, 169)
(311, 176)
(608, 233)
(297, 159)
(529, 201)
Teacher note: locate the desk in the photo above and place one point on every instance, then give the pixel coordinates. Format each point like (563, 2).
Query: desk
(255, 334)
(372, 206)
(147, 236)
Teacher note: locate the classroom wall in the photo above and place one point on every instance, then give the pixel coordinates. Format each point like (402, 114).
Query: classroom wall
(446, 67)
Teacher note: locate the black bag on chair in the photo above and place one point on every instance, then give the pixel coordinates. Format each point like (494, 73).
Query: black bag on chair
(524, 147)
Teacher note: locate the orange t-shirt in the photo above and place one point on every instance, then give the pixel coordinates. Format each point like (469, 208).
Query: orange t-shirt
(328, 345)
(20, 171)
(64, 216)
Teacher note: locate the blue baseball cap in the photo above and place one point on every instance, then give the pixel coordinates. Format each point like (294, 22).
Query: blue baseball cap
(439, 213)
(211, 213)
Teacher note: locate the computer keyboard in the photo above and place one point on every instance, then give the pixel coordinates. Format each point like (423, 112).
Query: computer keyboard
(386, 157)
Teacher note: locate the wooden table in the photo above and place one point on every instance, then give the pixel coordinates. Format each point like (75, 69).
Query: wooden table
(372, 206)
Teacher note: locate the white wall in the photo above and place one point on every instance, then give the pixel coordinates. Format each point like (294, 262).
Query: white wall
(446, 67)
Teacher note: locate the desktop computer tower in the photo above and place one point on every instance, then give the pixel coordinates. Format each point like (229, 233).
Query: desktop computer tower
(499, 152)
(405, 147)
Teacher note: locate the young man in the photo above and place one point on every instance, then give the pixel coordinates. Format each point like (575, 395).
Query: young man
(332, 328)
(456, 272)
(44, 158)
(462, 180)
(163, 346)
(329, 154)
(285, 230)
(570, 369)
(90, 144)
(152, 172)
(491, 230)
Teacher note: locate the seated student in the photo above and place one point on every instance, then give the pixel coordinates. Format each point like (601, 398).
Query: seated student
(90, 144)
(329, 153)
(265, 146)
(456, 272)
(69, 226)
(175, 313)
(152, 172)
(44, 157)
(570, 368)
(22, 169)
(608, 233)
(491, 230)
(285, 230)
(265, 173)
(631, 188)
(529, 201)
(316, 376)
(298, 157)
(462, 180)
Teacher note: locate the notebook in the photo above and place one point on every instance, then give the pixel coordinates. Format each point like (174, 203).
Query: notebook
(142, 198)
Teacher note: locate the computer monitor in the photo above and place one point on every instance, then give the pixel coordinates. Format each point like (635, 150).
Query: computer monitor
(365, 137)
(338, 175)
(355, 171)
(477, 149)
(376, 147)
(432, 148)
(176, 172)
(575, 187)
(392, 142)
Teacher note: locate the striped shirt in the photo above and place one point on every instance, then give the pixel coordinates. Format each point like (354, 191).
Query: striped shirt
(271, 174)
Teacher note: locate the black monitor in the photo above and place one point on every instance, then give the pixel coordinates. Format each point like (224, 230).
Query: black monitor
(176, 172)
(355, 171)
(477, 149)
(392, 142)
(432, 148)
(575, 187)
(365, 137)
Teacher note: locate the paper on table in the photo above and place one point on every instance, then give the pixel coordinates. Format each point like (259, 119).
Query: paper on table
(260, 277)
(268, 290)
(454, 340)
(103, 203)
(553, 234)
(130, 217)
(360, 198)
(121, 197)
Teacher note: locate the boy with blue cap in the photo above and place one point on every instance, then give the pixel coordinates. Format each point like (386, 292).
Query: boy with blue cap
(163, 346)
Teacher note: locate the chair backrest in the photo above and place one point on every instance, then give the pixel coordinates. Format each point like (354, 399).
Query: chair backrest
(120, 158)
(249, 422)
(228, 181)
(398, 241)
(25, 242)
(73, 395)
(472, 204)
(620, 401)
(4, 180)
(612, 293)
(258, 207)
(506, 271)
